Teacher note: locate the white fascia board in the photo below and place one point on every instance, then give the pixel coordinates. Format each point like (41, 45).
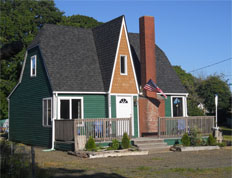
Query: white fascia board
(182, 94)
(78, 92)
(132, 62)
(115, 59)
(124, 94)
(21, 76)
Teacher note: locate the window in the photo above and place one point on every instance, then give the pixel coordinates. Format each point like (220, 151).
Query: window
(33, 66)
(70, 108)
(177, 106)
(123, 65)
(47, 111)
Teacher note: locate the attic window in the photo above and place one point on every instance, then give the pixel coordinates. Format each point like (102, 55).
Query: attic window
(123, 65)
(33, 66)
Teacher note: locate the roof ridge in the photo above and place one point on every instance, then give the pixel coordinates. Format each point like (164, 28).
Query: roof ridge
(122, 16)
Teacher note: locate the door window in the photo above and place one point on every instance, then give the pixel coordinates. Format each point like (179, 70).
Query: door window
(177, 106)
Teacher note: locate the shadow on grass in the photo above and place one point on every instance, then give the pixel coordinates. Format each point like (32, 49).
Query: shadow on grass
(67, 173)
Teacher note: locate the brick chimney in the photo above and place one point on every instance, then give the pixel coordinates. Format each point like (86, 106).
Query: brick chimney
(147, 52)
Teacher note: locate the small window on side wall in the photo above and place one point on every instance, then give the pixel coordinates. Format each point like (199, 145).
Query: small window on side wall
(33, 66)
(123, 65)
(47, 112)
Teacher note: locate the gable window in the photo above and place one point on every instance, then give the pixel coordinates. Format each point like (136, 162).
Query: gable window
(47, 111)
(123, 65)
(33, 66)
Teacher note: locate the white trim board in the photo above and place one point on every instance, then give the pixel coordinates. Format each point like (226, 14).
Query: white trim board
(78, 92)
(21, 76)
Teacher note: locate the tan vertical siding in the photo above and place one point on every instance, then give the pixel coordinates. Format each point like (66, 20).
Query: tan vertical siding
(124, 83)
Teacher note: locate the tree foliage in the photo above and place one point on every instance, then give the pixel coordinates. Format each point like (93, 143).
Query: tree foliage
(20, 21)
(203, 91)
(215, 85)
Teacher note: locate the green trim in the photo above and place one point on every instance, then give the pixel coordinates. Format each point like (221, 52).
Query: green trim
(113, 106)
(135, 104)
(168, 107)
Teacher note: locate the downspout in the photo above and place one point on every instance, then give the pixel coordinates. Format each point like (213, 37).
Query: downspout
(53, 121)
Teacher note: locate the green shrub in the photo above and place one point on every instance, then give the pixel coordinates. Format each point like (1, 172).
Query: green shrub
(90, 145)
(115, 144)
(221, 144)
(195, 137)
(125, 141)
(211, 140)
(185, 140)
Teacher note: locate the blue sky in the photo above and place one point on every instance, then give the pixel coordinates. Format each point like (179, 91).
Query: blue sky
(193, 34)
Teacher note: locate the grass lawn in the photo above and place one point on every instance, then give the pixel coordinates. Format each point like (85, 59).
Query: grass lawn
(227, 133)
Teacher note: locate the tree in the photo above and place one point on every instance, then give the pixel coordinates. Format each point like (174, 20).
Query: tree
(207, 89)
(190, 83)
(20, 21)
(79, 21)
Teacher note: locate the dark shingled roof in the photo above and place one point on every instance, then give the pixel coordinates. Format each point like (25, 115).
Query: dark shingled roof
(79, 59)
(167, 78)
(71, 58)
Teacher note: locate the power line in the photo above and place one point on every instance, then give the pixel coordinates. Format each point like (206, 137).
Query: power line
(211, 65)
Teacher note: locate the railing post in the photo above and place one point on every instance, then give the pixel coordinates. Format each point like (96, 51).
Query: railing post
(186, 124)
(104, 129)
(159, 127)
(130, 127)
(75, 134)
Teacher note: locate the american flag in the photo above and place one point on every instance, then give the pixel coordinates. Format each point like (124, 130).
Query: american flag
(151, 86)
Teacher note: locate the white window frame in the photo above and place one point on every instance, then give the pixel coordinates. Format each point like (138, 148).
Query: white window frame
(32, 57)
(70, 105)
(184, 104)
(125, 64)
(43, 119)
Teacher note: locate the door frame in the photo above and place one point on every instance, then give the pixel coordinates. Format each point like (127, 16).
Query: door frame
(132, 109)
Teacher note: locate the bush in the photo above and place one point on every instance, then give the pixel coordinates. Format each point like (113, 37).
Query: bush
(185, 140)
(90, 145)
(125, 141)
(115, 144)
(211, 140)
(195, 137)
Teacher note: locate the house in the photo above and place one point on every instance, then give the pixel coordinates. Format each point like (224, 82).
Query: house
(71, 72)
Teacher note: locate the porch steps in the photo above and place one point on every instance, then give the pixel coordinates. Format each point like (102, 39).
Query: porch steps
(151, 144)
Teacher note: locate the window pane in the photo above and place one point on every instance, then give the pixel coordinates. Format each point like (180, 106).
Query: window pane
(123, 64)
(45, 112)
(76, 108)
(177, 107)
(33, 66)
(64, 109)
(49, 112)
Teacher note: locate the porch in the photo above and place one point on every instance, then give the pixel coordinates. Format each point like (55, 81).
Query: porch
(70, 131)
(100, 129)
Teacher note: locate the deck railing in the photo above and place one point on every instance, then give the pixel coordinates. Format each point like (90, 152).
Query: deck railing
(101, 129)
(177, 126)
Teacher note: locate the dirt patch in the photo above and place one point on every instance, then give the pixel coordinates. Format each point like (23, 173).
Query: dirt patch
(175, 164)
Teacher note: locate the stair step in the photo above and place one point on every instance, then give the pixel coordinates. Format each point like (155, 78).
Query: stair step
(148, 148)
(151, 143)
(147, 141)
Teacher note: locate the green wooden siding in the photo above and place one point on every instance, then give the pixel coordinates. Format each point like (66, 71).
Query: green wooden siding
(26, 106)
(135, 117)
(113, 106)
(168, 107)
(95, 106)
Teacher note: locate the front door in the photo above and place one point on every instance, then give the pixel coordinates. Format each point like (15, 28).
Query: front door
(124, 110)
